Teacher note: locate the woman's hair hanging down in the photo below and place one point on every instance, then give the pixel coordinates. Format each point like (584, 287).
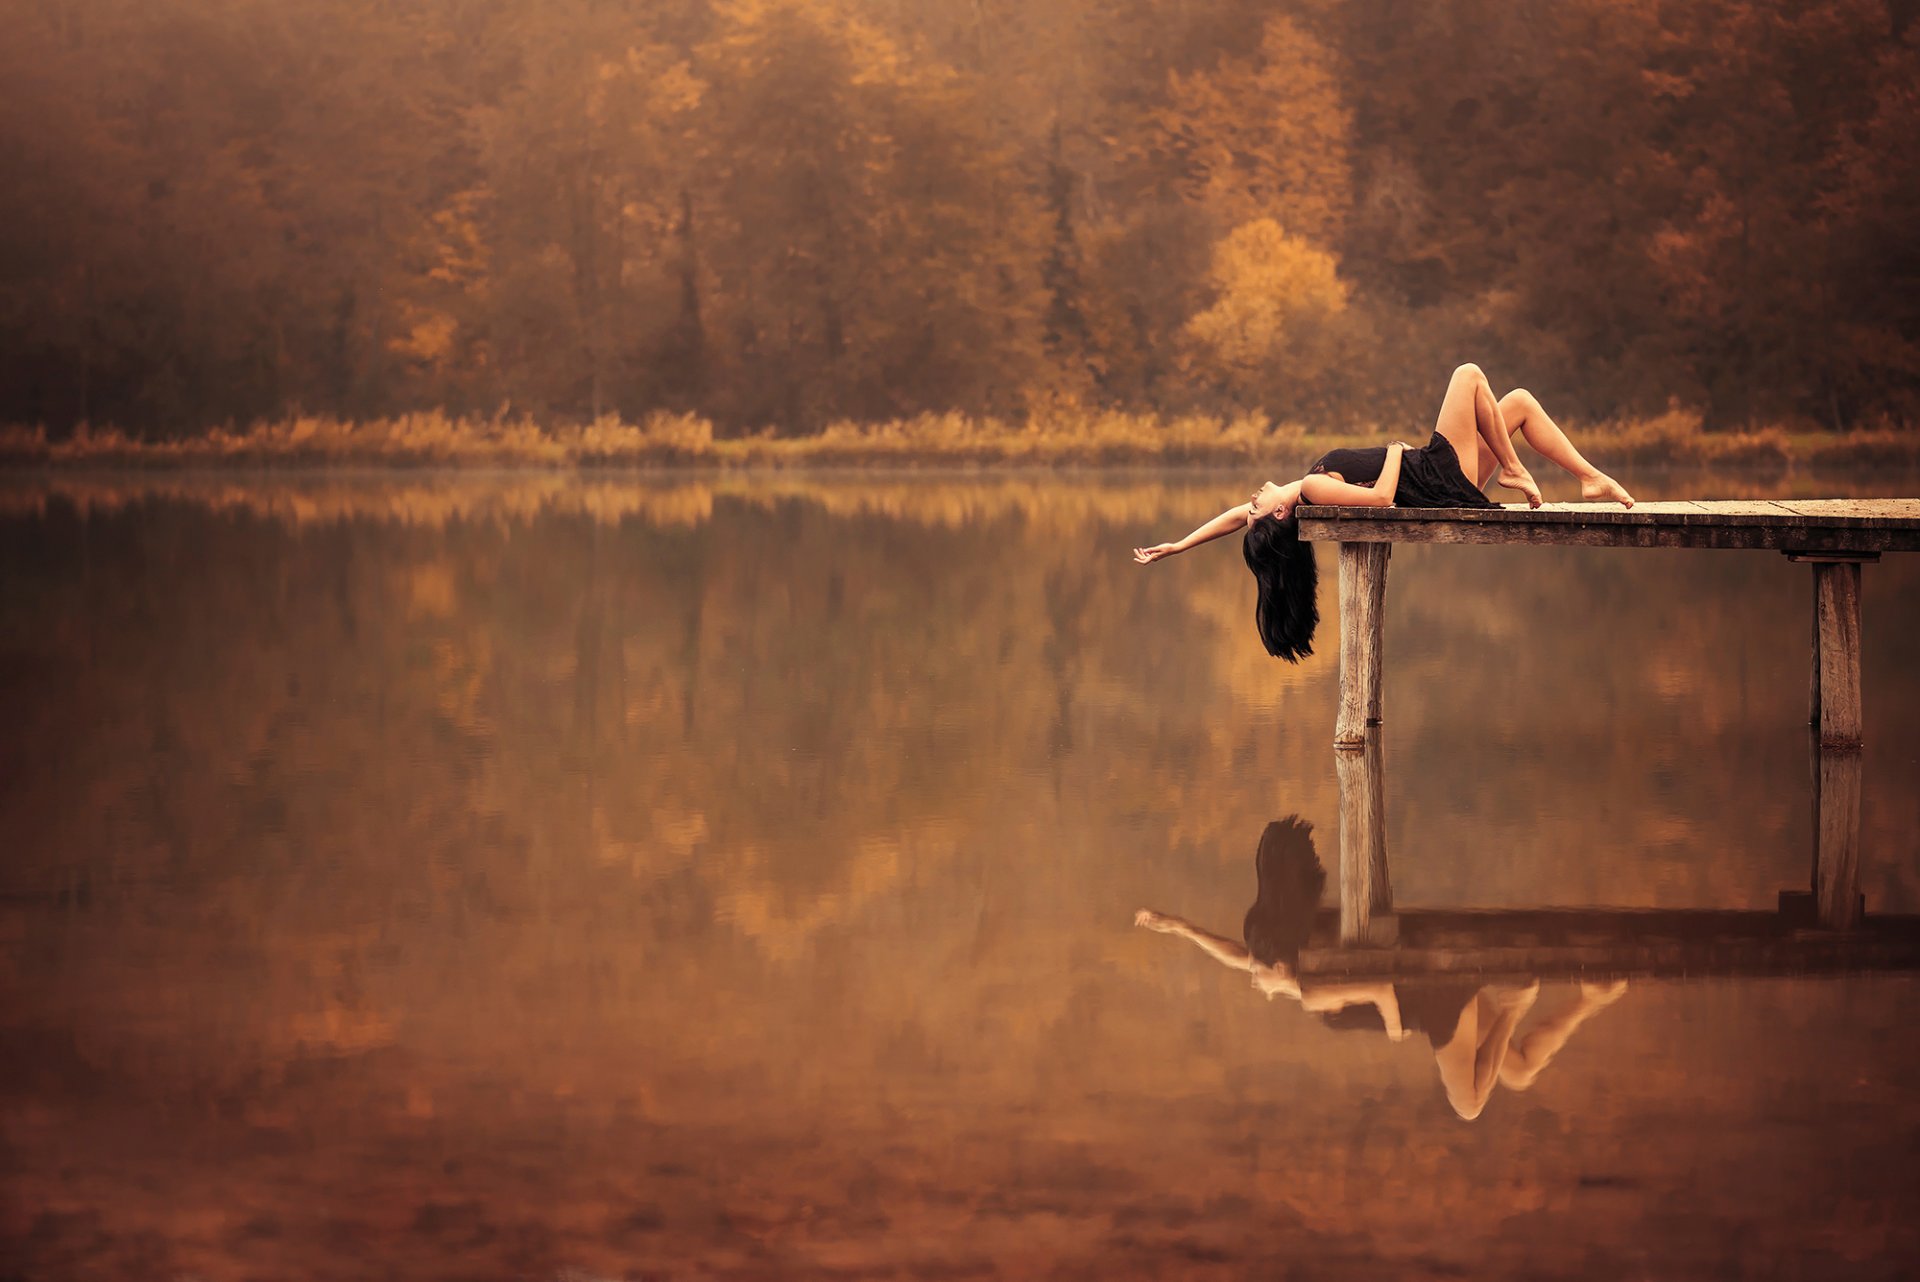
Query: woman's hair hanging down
(1286, 609)
(1291, 880)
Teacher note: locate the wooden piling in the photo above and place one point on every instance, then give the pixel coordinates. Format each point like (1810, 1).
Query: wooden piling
(1363, 592)
(1836, 839)
(1366, 894)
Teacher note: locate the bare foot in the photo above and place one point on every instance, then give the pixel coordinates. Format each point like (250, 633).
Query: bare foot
(1602, 486)
(1602, 994)
(1518, 478)
(1513, 996)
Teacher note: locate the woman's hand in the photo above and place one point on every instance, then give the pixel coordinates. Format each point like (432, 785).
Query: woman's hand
(1153, 920)
(1147, 556)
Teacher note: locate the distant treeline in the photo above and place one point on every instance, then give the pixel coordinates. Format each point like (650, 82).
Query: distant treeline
(1060, 438)
(787, 213)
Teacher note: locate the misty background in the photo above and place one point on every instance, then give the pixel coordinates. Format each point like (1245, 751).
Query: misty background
(783, 213)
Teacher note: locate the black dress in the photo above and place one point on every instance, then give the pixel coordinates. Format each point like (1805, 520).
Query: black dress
(1427, 1006)
(1430, 476)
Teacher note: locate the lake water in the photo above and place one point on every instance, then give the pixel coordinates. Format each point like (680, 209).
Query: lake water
(514, 877)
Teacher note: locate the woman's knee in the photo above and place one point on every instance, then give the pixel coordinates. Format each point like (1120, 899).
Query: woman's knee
(1518, 1077)
(1469, 373)
(1519, 400)
(1468, 1105)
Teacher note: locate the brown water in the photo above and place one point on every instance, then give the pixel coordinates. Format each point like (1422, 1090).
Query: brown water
(505, 877)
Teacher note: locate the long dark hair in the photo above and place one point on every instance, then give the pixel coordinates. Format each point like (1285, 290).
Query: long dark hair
(1286, 608)
(1291, 880)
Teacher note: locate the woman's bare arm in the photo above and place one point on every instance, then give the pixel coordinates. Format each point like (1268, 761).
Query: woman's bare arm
(1224, 951)
(1234, 518)
(1318, 487)
(1388, 484)
(1332, 997)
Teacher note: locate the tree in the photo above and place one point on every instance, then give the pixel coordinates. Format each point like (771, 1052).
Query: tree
(872, 254)
(1271, 335)
(585, 159)
(1263, 137)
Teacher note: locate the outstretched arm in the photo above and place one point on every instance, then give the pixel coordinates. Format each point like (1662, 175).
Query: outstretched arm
(1234, 518)
(1224, 951)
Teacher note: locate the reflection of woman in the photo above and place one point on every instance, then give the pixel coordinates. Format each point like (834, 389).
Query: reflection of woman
(1471, 1027)
(1472, 443)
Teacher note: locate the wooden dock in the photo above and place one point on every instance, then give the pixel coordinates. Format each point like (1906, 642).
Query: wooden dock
(1544, 944)
(1835, 535)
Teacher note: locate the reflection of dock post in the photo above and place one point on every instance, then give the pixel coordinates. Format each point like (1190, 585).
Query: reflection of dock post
(1366, 896)
(1363, 594)
(1835, 713)
(1836, 838)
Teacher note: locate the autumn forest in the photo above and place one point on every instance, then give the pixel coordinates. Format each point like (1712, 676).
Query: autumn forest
(782, 214)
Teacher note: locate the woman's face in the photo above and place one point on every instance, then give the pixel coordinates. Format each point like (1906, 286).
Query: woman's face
(1268, 500)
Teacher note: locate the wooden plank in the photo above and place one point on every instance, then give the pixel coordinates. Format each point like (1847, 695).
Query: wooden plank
(1440, 944)
(1363, 588)
(1809, 954)
(1807, 525)
(1672, 535)
(1529, 927)
(1836, 605)
(1815, 511)
(1745, 511)
(1366, 895)
(1698, 511)
(1863, 514)
(1858, 509)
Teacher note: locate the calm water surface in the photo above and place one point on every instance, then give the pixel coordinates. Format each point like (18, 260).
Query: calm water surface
(510, 877)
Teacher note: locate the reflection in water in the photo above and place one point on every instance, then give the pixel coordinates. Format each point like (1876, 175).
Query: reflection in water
(1473, 1028)
(725, 878)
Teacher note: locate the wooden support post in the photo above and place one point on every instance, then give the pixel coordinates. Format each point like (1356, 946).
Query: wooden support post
(1363, 595)
(1836, 838)
(1813, 702)
(1366, 894)
(1836, 623)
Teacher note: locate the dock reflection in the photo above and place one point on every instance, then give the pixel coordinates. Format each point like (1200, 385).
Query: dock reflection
(1824, 925)
(1473, 1027)
(1469, 979)
(1836, 837)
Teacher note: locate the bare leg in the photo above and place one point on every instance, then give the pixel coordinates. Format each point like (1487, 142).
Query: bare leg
(1530, 1055)
(1470, 420)
(1509, 470)
(1523, 413)
(1455, 1062)
(1459, 418)
(1470, 1062)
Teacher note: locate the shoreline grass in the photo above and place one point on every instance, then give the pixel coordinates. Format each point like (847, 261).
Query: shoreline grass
(1075, 439)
